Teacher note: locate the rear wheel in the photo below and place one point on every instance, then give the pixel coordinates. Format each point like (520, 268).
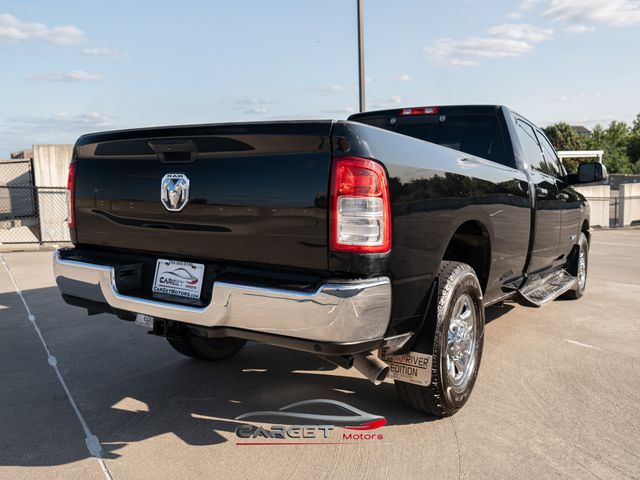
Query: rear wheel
(457, 343)
(204, 348)
(579, 268)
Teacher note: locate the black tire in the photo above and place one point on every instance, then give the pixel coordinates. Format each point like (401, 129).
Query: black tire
(574, 268)
(457, 282)
(204, 348)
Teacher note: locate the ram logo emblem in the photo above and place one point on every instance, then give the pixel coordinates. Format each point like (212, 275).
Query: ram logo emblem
(174, 191)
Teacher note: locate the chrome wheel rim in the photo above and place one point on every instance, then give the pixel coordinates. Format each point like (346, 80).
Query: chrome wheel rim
(582, 268)
(461, 342)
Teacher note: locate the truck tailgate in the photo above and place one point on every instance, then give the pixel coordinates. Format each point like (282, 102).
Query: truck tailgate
(257, 192)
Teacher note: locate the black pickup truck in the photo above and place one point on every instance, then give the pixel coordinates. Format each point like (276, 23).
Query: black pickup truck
(375, 243)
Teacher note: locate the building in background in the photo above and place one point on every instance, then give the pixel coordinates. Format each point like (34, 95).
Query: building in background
(581, 130)
(22, 155)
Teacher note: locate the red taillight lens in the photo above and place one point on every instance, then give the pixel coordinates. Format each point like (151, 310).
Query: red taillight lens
(71, 196)
(420, 111)
(360, 217)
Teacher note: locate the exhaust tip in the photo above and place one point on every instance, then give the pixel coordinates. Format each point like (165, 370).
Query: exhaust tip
(374, 369)
(382, 376)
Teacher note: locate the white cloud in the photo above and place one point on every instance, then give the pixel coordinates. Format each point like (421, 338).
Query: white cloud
(615, 13)
(579, 29)
(403, 77)
(501, 41)
(577, 97)
(13, 30)
(340, 111)
(252, 101)
(591, 122)
(253, 105)
(254, 110)
(528, 4)
(57, 128)
(103, 52)
(513, 15)
(73, 76)
(329, 89)
(297, 116)
(521, 31)
(390, 102)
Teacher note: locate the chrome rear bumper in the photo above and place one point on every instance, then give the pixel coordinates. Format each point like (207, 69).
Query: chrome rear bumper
(337, 311)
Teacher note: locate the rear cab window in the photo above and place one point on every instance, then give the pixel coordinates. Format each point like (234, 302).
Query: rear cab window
(554, 165)
(478, 134)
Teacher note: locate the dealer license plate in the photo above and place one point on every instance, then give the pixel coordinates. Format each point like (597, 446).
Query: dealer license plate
(182, 279)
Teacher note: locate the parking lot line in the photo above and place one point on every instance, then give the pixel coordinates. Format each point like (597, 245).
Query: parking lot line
(91, 441)
(583, 344)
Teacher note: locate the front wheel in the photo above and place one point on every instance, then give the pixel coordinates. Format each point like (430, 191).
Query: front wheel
(579, 268)
(457, 343)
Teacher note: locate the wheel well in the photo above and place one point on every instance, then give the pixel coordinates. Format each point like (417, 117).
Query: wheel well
(585, 229)
(470, 244)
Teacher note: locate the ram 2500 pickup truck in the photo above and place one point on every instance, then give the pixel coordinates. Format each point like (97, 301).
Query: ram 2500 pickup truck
(375, 243)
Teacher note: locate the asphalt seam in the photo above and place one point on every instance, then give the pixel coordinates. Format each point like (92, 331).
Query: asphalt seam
(91, 441)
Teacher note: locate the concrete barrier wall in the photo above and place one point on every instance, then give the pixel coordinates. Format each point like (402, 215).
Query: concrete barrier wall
(50, 169)
(51, 165)
(629, 211)
(598, 197)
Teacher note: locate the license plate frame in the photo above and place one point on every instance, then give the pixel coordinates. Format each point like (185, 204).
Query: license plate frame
(178, 279)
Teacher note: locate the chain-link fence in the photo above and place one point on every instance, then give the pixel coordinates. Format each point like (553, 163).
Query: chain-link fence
(30, 214)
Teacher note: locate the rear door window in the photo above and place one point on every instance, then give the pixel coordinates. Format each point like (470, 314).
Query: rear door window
(477, 135)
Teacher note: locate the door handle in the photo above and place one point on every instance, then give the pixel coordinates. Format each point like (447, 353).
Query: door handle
(563, 196)
(542, 192)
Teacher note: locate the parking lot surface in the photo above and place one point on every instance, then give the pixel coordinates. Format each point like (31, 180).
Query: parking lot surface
(558, 393)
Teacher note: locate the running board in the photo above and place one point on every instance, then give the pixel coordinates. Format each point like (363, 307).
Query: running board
(548, 287)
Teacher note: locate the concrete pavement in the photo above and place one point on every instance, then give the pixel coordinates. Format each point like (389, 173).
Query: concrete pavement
(557, 396)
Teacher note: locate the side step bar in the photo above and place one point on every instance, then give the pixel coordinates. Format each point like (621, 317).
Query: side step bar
(548, 287)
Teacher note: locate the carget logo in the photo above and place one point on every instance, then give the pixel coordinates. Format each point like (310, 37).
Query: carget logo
(311, 428)
(183, 274)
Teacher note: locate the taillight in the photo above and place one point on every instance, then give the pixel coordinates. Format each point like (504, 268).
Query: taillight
(420, 111)
(71, 196)
(360, 217)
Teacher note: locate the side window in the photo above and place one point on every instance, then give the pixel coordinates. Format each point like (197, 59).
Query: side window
(552, 162)
(530, 145)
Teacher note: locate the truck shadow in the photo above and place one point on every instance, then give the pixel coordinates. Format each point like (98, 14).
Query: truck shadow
(131, 387)
(496, 311)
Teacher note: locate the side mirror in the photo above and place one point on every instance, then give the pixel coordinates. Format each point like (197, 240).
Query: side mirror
(591, 172)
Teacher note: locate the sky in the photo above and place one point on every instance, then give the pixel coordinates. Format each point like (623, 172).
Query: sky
(73, 67)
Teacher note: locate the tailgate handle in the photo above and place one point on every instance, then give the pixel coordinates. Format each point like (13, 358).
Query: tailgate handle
(174, 150)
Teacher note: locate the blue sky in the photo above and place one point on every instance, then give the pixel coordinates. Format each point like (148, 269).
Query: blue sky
(73, 67)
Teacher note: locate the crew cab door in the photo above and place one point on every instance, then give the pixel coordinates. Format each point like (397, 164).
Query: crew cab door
(548, 210)
(567, 196)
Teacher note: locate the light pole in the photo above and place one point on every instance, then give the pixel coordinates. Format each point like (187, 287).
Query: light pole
(361, 79)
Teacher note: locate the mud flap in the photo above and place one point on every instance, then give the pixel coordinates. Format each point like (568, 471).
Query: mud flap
(412, 367)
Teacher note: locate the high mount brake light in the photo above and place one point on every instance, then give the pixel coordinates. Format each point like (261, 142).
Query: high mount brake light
(360, 211)
(71, 196)
(420, 111)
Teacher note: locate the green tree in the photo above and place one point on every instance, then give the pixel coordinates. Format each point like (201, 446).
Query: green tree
(635, 128)
(633, 145)
(614, 141)
(621, 144)
(563, 137)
